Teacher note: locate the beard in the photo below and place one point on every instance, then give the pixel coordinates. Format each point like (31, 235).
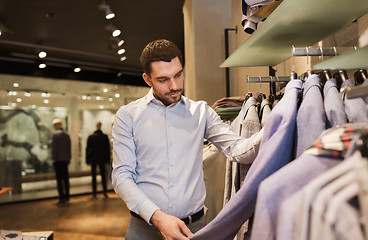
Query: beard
(169, 97)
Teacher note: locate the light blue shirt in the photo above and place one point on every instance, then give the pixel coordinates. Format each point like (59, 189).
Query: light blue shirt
(158, 154)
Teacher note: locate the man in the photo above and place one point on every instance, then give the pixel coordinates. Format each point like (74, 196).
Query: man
(158, 144)
(98, 153)
(61, 154)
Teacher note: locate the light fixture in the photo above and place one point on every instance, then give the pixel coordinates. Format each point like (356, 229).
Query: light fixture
(45, 94)
(101, 107)
(121, 51)
(116, 32)
(4, 29)
(27, 94)
(117, 95)
(111, 99)
(19, 100)
(15, 84)
(123, 58)
(46, 101)
(42, 54)
(105, 90)
(84, 97)
(98, 98)
(42, 65)
(77, 69)
(109, 14)
(119, 41)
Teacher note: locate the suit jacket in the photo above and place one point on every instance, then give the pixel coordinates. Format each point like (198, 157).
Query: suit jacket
(61, 146)
(98, 148)
(275, 151)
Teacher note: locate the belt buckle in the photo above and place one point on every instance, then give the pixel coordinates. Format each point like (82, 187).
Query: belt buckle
(190, 219)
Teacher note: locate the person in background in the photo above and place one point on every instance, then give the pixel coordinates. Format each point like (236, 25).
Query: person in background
(158, 147)
(98, 153)
(61, 154)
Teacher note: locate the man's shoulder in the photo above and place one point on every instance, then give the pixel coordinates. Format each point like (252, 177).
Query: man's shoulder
(192, 103)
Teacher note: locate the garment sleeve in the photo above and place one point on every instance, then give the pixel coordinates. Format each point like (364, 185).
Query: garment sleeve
(124, 164)
(234, 147)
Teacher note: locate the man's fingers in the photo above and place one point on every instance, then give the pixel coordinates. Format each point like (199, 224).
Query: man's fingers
(185, 229)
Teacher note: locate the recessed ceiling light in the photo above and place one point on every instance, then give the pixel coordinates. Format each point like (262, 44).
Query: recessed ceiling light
(123, 58)
(42, 65)
(105, 90)
(15, 84)
(117, 95)
(77, 69)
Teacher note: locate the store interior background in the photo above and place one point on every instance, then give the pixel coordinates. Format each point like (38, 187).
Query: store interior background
(81, 102)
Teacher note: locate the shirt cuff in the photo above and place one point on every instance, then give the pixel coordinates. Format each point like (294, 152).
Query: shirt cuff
(146, 211)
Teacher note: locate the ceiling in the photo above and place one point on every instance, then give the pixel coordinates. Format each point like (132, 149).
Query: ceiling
(75, 33)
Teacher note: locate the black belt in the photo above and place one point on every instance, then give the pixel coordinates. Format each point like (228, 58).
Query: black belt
(191, 219)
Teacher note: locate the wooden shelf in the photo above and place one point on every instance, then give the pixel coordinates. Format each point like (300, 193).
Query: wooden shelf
(300, 23)
(354, 59)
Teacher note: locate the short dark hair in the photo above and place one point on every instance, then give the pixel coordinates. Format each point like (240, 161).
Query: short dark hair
(159, 50)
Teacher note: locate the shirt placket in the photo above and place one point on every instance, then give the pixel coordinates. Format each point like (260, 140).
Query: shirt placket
(170, 159)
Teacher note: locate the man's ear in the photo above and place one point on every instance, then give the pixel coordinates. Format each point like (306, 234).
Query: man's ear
(147, 79)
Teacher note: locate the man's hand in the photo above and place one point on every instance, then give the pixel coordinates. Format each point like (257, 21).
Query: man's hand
(169, 226)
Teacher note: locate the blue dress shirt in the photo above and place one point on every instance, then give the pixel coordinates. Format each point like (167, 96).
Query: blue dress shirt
(275, 151)
(334, 106)
(158, 154)
(355, 108)
(311, 118)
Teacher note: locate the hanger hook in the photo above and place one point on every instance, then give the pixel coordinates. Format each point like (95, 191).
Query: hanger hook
(321, 49)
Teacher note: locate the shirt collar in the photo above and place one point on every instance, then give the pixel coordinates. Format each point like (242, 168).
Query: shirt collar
(151, 98)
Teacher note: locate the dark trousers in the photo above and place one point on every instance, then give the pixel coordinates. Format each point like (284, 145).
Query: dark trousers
(103, 177)
(62, 179)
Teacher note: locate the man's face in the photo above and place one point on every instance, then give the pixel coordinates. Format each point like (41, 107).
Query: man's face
(166, 80)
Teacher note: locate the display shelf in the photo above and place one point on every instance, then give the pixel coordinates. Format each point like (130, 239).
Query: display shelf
(354, 59)
(300, 23)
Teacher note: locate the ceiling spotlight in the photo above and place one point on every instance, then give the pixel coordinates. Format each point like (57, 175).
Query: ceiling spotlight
(15, 84)
(117, 95)
(84, 97)
(46, 101)
(42, 54)
(98, 98)
(109, 14)
(116, 33)
(101, 107)
(121, 51)
(111, 99)
(77, 69)
(4, 29)
(119, 41)
(27, 94)
(105, 90)
(19, 100)
(42, 65)
(123, 58)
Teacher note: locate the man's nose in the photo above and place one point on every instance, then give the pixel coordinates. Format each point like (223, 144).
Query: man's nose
(173, 85)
